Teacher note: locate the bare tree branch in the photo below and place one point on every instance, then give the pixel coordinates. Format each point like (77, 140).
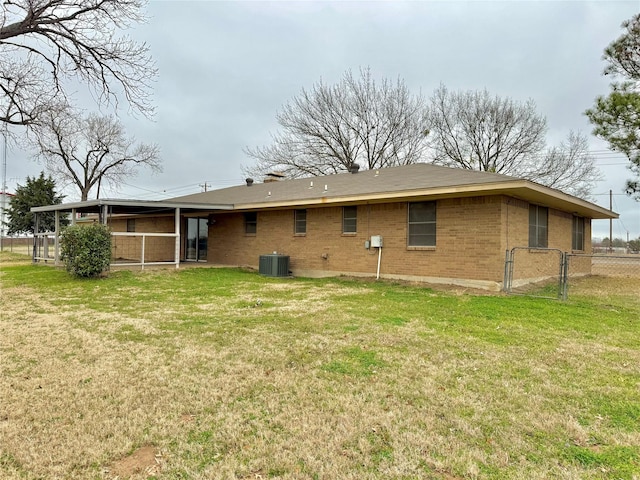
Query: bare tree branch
(568, 167)
(476, 131)
(331, 127)
(89, 151)
(46, 43)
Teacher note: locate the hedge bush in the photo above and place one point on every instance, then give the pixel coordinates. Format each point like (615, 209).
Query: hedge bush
(86, 249)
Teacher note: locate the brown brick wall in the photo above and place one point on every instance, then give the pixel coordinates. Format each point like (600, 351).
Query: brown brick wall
(468, 244)
(472, 237)
(516, 218)
(532, 264)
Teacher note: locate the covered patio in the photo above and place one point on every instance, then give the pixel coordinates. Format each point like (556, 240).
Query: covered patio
(46, 244)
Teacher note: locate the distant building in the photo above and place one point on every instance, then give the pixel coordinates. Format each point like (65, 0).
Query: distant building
(5, 198)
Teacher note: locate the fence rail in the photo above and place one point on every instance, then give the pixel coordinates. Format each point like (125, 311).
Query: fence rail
(128, 248)
(143, 249)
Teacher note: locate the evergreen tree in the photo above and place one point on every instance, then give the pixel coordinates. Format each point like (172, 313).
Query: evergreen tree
(616, 117)
(36, 192)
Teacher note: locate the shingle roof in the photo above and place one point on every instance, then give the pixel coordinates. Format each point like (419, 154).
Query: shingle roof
(365, 183)
(417, 181)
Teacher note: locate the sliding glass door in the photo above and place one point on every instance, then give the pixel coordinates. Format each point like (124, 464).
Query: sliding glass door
(197, 234)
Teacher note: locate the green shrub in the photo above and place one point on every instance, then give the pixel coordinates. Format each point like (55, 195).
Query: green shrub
(86, 249)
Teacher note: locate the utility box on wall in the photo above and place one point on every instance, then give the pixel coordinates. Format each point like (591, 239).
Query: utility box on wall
(376, 241)
(274, 265)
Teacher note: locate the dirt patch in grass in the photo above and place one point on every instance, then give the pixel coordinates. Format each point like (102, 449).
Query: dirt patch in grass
(144, 462)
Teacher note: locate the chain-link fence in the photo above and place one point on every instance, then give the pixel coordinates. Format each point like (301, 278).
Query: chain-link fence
(604, 265)
(548, 272)
(21, 245)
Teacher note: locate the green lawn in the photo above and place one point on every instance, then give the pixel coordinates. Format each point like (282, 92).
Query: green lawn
(221, 373)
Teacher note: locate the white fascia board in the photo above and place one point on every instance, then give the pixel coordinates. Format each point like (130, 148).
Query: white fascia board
(130, 203)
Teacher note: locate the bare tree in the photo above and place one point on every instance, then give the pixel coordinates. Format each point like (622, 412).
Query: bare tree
(89, 151)
(568, 167)
(356, 121)
(477, 131)
(46, 43)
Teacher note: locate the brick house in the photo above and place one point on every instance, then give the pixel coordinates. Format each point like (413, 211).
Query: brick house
(436, 224)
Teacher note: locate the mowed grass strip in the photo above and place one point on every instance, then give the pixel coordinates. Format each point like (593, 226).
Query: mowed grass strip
(227, 374)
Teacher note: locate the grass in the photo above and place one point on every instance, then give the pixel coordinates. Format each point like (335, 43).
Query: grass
(228, 374)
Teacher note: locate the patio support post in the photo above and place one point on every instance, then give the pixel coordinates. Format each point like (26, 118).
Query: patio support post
(176, 254)
(56, 233)
(73, 216)
(142, 252)
(105, 211)
(36, 226)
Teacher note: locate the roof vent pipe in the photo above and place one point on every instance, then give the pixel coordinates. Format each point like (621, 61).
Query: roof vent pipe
(354, 168)
(249, 182)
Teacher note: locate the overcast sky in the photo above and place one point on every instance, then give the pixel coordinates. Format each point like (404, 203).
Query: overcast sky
(225, 68)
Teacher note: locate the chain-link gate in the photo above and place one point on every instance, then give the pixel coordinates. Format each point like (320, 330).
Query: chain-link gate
(538, 272)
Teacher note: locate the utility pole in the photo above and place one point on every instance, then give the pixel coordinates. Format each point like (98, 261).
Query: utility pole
(205, 185)
(611, 222)
(3, 189)
(627, 249)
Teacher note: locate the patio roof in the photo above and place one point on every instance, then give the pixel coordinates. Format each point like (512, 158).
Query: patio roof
(131, 207)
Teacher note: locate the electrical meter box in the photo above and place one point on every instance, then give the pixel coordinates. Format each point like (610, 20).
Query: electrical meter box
(376, 241)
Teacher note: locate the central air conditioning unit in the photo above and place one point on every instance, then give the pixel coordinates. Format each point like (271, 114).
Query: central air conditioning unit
(274, 265)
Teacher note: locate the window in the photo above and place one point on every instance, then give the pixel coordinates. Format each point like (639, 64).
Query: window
(538, 226)
(577, 234)
(422, 224)
(349, 219)
(300, 222)
(131, 225)
(250, 223)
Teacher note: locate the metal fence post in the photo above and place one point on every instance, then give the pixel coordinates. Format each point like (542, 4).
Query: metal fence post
(564, 275)
(508, 271)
